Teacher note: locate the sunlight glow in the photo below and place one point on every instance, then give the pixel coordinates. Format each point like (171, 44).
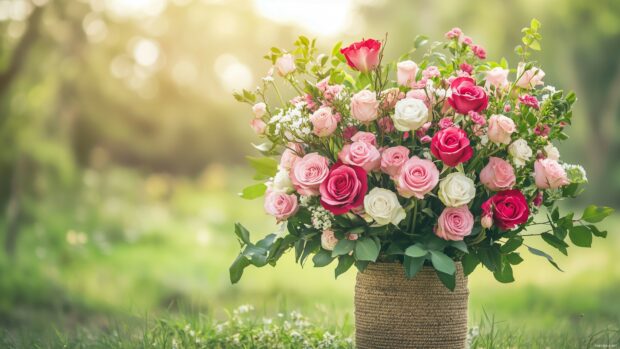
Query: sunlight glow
(233, 74)
(135, 8)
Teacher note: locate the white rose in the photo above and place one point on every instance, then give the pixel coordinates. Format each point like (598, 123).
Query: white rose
(405, 72)
(552, 152)
(259, 109)
(410, 114)
(281, 182)
(520, 152)
(383, 206)
(456, 190)
(285, 64)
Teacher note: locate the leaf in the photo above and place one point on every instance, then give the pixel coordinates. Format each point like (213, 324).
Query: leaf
(442, 262)
(267, 241)
(253, 191)
(447, 280)
(265, 167)
(343, 247)
(596, 232)
(534, 24)
(595, 214)
(504, 273)
(361, 265)
(511, 245)
(419, 41)
(555, 242)
(514, 258)
(366, 250)
(543, 254)
(242, 233)
(415, 251)
(580, 236)
(322, 258)
(236, 268)
(470, 262)
(256, 255)
(412, 265)
(344, 263)
(460, 245)
(490, 257)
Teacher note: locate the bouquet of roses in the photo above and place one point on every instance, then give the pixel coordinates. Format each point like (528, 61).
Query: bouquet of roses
(445, 159)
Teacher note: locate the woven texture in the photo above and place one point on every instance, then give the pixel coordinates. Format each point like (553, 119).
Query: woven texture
(392, 311)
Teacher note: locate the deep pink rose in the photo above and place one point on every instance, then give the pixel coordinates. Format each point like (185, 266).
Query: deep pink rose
(392, 159)
(498, 174)
(344, 189)
(280, 205)
(363, 55)
(361, 154)
(454, 223)
(530, 101)
(451, 146)
(508, 209)
(466, 96)
(366, 137)
(308, 173)
(417, 177)
(549, 174)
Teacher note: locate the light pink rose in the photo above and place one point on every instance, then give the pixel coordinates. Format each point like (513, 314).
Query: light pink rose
(486, 221)
(431, 72)
(500, 129)
(259, 109)
(549, 174)
(406, 71)
(498, 174)
(280, 205)
(529, 78)
(324, 122)
(328, 240)
(365, 137)
(417, 93)
(361, 154)
(390, 97)
(285, 64)
(308, 173)
(364, 106)
(290, 155)
(497, 77)
(259, 126)
(454, 223)
(392, 159)
(417, 177)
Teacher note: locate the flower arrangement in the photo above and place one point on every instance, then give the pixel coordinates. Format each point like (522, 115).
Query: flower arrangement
(448, 158)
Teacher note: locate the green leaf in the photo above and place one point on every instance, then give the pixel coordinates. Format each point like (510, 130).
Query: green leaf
(470, 262)
(514, 258)
(460, 245)
(442, 262)
(581, 236)
(543, 254)
(253, 191)
(344, 263)
(343, 247)
(366, 250)
(242, 233)
(236, 269)
(265, 167)
(504, 273)
(447, 280)
(596, 232)
(361, 265)
(322, 258)
(412, 265)
(490, 257)
(416, 250)
(534, 24)
(256, 255)
(419, 41)
(511, 245)
(595, 214)
(555, 242)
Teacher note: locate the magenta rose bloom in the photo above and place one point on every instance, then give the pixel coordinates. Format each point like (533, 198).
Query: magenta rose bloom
(466, 96)
(451, 146)
(344, 188)
(508, 208)
(363, 55)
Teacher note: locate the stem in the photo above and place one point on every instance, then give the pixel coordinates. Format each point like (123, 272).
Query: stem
(278, 93)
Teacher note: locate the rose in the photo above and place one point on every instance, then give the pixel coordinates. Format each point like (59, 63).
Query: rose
(405, 72)
(508, 209)
(454, 223)
(366, 137)
(281, 182)
(290, 155)
(549, 174)
(383, 206)
(362, 55)
(410, 114)
(285, 64)
(259, 109)
(393, 158)
(259, 126)
(530, 78)
(451, 146)
(323, 122)
(520, 152)
(308, 173)
(466, 96)
(344, 189)
(498, 175)
(417, 177)
(456, 190)
(500, 129)
(417, 93)
(479, 51)
(552, 152)
(328, 240)
(280, 205)
(361, 154)
(364, 106)
(497, 77)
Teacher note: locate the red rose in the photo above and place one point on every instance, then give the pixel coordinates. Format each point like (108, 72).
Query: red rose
(466, 96)
(363, 55)
(451, 146)
(344, 188)
(508, 208)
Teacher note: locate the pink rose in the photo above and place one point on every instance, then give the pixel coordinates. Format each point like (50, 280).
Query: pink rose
(417, 93)
(498, 174)
(445, 123)
(365, 137)
(290, 155)
(362, 55)
(530, 101)
(285, 64)
(478, 119)
(466, 68)
(454, 33)
(364, 106)
(308, 173)
(454, 223)
(467, 96)
(361, 154)
(392, 159)
(549, 174)
(405, 72)
(386, 124)
(452, 146)
(479, 51)
(417, 177)
(324, 122)
(529, 78)
(280, 205)
(344, 189)
(431, 72)
(390, 97)
(259, 109)
(500, 129)
(497, 77)
(328, 240)
(258, 126)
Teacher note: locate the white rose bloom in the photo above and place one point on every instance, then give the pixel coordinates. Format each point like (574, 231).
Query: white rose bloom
(281, 182)
(552, 152)
(410, 114)
(456, 190)
(285, 64)
(383, 206)
(520, 152)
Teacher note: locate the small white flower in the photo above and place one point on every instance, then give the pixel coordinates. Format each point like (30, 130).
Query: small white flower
(456, 190)
(281, 182)
(383, 206)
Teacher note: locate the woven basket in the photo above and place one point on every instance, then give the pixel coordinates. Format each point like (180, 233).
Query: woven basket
(392, 311)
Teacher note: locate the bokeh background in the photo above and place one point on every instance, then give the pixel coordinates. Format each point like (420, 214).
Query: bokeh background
(122, 150)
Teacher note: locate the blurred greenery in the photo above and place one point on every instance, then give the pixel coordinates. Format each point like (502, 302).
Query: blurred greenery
(121, 151)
